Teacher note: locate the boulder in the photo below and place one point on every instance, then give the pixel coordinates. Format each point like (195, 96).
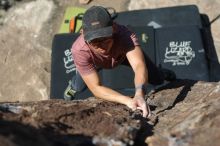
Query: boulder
(184, 113)
(24, 63)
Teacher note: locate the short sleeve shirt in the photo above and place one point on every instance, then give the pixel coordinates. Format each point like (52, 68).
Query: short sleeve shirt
(87, 61)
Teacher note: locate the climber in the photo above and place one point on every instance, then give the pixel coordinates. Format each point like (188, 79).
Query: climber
(106, 44)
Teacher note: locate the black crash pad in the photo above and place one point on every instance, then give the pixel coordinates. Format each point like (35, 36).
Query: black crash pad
(179, 33)
(62, 67)
(181, 49)
(161, 17)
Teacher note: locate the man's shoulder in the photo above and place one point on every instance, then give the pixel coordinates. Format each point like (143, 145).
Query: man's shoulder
(120, 28)
(80, 50)
(127, 38)
(123, 32)
(79, 45)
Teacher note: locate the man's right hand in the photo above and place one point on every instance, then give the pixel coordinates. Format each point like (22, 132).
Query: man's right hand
(138, 102)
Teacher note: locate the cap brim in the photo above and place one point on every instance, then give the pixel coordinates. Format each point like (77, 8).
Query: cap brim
(99, 33)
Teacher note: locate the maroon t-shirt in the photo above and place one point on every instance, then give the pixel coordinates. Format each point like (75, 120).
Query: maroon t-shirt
(87, 61)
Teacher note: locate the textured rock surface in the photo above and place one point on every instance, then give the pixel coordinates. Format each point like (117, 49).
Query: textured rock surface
(57, 122)
(185, 113)
(188, 115)
(24, 63)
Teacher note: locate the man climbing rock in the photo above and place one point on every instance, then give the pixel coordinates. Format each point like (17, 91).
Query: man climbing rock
(106, 44)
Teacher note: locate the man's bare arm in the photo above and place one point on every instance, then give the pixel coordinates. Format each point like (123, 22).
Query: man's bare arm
(93, 82)
(137, 62)
(136, 59)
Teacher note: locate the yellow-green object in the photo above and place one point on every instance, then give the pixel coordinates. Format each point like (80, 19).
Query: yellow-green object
(71, 13)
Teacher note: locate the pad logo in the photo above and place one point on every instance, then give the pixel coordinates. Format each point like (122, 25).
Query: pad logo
(179, 53)
(68, 62)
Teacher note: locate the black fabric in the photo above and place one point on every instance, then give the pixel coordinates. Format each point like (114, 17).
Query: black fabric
(146, 38)
(211, 54)
(181, 49)
(164, 17)
(61, 72)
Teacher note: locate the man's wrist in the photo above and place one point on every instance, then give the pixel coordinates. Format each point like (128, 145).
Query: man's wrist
(140, 89)
(128, 103)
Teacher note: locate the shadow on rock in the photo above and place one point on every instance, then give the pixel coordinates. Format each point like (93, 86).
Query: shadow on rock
(145, 131)
(186, 87)
(18, 134)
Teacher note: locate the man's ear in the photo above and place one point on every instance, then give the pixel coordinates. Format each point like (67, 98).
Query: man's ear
(81, 31)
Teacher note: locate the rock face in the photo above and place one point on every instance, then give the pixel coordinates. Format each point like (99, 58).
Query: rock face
(187, 116)
(25, 64)
(185, 113)
(89, 122)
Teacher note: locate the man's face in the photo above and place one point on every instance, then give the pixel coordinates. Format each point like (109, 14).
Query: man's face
(101, 45)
